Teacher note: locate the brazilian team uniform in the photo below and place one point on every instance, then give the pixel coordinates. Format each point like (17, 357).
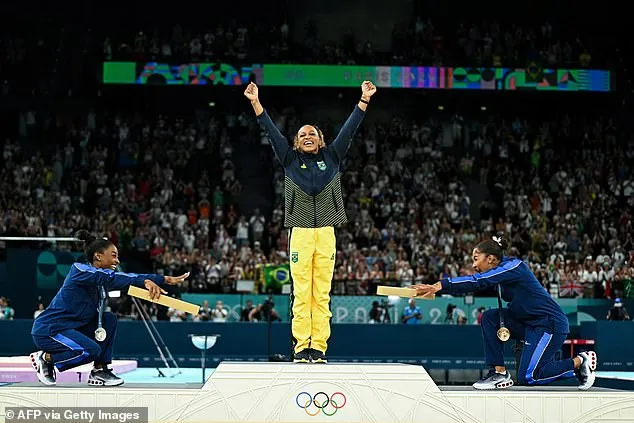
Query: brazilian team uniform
(313, 206)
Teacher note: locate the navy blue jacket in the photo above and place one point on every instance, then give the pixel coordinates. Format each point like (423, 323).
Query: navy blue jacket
(76, 303)
(528, 301)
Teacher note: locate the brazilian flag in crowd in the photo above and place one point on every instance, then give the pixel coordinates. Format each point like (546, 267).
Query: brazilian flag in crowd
(276, 275)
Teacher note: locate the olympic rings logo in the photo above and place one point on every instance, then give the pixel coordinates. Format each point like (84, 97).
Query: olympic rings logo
(312, 405)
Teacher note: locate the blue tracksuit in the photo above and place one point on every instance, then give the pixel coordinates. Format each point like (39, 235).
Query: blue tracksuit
(66, 328)
(531, 316)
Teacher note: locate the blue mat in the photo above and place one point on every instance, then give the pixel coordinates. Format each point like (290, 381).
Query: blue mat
(151, 375)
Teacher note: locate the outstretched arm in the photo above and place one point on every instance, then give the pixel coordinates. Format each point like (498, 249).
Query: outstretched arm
(89, 275)
(114, 281)
(277, 140)
(475, 282)
(341, 144)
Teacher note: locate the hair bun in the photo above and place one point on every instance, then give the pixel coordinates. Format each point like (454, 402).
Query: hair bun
(500, 240)
(85, 236)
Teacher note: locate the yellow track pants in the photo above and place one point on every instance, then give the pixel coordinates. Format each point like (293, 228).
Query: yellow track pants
(312, 262)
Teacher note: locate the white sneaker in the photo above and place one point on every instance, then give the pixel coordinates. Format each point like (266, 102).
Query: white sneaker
(45, 370)
(494, 380)
(585, 373)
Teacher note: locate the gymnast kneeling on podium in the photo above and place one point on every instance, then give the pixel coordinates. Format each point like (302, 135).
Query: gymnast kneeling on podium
(75, 329)
(532, 316)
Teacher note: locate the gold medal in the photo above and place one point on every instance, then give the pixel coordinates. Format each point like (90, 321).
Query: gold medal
(504, 334)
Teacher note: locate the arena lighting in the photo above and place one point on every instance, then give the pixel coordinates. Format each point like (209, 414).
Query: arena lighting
(483, 108)
(441, 108)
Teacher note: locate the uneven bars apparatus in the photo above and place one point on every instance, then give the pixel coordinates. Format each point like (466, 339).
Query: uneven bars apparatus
(39, 238)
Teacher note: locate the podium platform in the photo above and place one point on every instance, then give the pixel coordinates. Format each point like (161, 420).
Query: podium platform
(287, 392)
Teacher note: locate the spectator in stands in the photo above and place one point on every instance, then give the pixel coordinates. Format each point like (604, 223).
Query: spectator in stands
(412, 314)
(204, 314)
(219, 313)
(6, 312)
(261, 312)
(618, 311)
(480, 313)
(38, 311)
(246, 312)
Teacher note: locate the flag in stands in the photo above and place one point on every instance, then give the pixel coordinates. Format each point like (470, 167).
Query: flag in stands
(276, 275)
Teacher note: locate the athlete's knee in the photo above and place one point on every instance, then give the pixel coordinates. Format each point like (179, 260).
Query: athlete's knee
(522, 378)
(529, 375)
(491, 317)
(91, 350)
(109, 319)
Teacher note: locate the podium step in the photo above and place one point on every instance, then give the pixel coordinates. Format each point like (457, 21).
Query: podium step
(350, 392)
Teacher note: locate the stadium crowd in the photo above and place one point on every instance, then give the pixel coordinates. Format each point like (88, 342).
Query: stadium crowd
(153, 187)
(418, 42)
(419, 191)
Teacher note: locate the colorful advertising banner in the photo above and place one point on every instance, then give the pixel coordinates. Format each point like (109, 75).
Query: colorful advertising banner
(422, 77)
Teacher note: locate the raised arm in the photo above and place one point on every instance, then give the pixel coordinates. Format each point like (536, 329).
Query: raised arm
(341, 144)
(277, 140)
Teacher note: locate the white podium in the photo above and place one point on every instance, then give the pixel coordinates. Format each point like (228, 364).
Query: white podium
(287, 392)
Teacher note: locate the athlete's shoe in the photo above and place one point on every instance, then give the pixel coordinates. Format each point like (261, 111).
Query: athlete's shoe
(494, 380)
(303, 356)
(45, 370)
(585, 373)
(317, 356)
(104, 377)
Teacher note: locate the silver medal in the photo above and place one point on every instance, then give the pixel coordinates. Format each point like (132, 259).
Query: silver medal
(100, 334)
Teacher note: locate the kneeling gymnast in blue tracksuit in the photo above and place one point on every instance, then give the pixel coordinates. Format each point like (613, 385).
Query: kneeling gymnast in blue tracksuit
(532, 316)
(74, 329)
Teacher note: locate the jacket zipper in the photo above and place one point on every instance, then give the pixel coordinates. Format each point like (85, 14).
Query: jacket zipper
(312, 169)
(292, 206)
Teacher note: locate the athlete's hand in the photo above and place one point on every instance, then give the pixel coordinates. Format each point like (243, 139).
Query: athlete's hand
(427, 291)
(155, 290)
(368, 89)
(251, 92)
(175, 280)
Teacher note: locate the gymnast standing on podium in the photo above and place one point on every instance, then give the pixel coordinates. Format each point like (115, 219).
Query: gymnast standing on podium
(75, 329)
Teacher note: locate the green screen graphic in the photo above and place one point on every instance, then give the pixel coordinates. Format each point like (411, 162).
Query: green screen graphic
(421, 77)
